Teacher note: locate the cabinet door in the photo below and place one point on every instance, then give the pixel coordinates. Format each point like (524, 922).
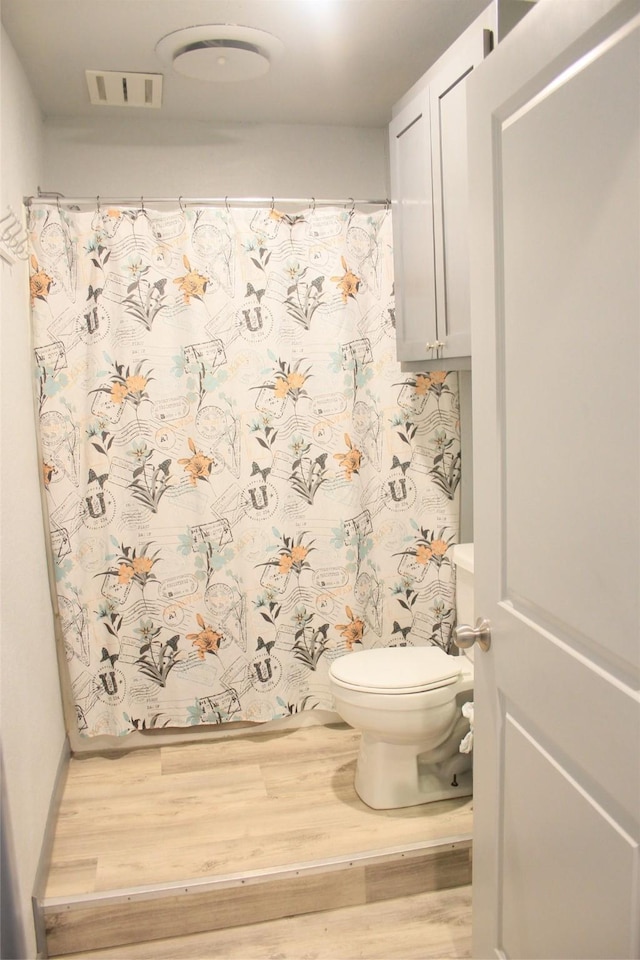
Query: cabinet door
(448, 112)
(411, 190)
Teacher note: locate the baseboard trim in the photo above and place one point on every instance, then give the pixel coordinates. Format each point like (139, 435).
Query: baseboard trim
(44, 861)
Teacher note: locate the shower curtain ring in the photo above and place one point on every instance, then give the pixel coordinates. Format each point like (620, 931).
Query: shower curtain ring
(353, 206)
(97, 204)
(313, 204)
(273, 204)
(181, 204)
(142, 207)
(226, 203)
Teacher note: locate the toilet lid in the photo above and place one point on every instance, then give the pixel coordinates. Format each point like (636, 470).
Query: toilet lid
(396, 669)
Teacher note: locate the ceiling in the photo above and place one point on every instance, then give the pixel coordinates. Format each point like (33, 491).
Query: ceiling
(345, 62)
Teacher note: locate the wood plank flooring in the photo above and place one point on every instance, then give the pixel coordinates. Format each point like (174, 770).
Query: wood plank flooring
(175, 841)
(426, 926)
(175, 813)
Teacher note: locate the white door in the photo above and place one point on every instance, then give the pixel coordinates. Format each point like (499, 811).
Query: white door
(555, 306)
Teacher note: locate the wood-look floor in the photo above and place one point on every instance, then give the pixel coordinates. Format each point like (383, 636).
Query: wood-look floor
(209, 809)
(427, 926)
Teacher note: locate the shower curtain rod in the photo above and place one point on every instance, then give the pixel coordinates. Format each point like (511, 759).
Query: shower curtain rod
(59, 198)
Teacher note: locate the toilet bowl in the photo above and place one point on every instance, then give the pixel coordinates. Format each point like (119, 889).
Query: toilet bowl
(407, 703)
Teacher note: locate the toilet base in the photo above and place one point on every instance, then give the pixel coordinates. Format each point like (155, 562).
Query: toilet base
(392, 775)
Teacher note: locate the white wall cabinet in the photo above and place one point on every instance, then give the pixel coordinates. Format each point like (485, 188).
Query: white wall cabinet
(429, 192)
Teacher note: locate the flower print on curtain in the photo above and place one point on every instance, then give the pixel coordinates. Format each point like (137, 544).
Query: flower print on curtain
(241, 483)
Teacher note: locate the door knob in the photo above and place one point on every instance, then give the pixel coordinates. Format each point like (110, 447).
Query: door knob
(465, 636)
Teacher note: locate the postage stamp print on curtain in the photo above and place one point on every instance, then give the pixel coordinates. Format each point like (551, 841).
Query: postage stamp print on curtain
(241, 484)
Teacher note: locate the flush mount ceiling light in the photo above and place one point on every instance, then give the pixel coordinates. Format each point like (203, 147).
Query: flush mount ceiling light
(221, 53)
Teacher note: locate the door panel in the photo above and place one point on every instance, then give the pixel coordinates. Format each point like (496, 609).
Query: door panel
(448, 103)
(413, 241)
(537, 790)
(453, 275)
(565, 540)
(591, 720)
(555, 306)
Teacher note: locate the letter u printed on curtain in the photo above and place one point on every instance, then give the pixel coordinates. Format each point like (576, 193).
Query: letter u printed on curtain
(241, 484)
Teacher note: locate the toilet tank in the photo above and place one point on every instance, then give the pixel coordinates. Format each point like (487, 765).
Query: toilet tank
(465, 611)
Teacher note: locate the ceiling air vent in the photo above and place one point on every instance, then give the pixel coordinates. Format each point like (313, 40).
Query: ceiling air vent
(114, 89)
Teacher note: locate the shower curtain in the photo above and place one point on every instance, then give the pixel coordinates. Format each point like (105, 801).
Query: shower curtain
(240, 483)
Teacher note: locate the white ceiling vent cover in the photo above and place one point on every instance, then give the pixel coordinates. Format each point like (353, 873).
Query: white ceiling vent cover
(112, 88)
(219, 52)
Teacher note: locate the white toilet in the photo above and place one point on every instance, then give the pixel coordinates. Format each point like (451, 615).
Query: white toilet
(407, 703)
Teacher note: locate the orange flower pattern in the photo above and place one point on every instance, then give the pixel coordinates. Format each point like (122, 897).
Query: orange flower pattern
(281, 388)
(48, 470)
(350, 460)
(39, 282)
(207, 640)
(430, 381)
(293, 555)
(423, 553)
(431, 548)
(198, 466)
(422, 384)
(118, 392)
(439, 548)
(125, 573)
(192, 284)
(348, 283)
(353, 631)
(133, 567)
(136, 383)
(289, 381)
(242, 484)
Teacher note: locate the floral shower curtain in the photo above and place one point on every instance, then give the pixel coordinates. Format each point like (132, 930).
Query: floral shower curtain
(241, 485)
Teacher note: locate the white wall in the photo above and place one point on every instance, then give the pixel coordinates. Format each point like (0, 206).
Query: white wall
(32, 733)
(135, 157)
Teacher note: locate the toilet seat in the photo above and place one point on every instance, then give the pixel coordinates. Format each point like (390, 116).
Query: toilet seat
(383, 671)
